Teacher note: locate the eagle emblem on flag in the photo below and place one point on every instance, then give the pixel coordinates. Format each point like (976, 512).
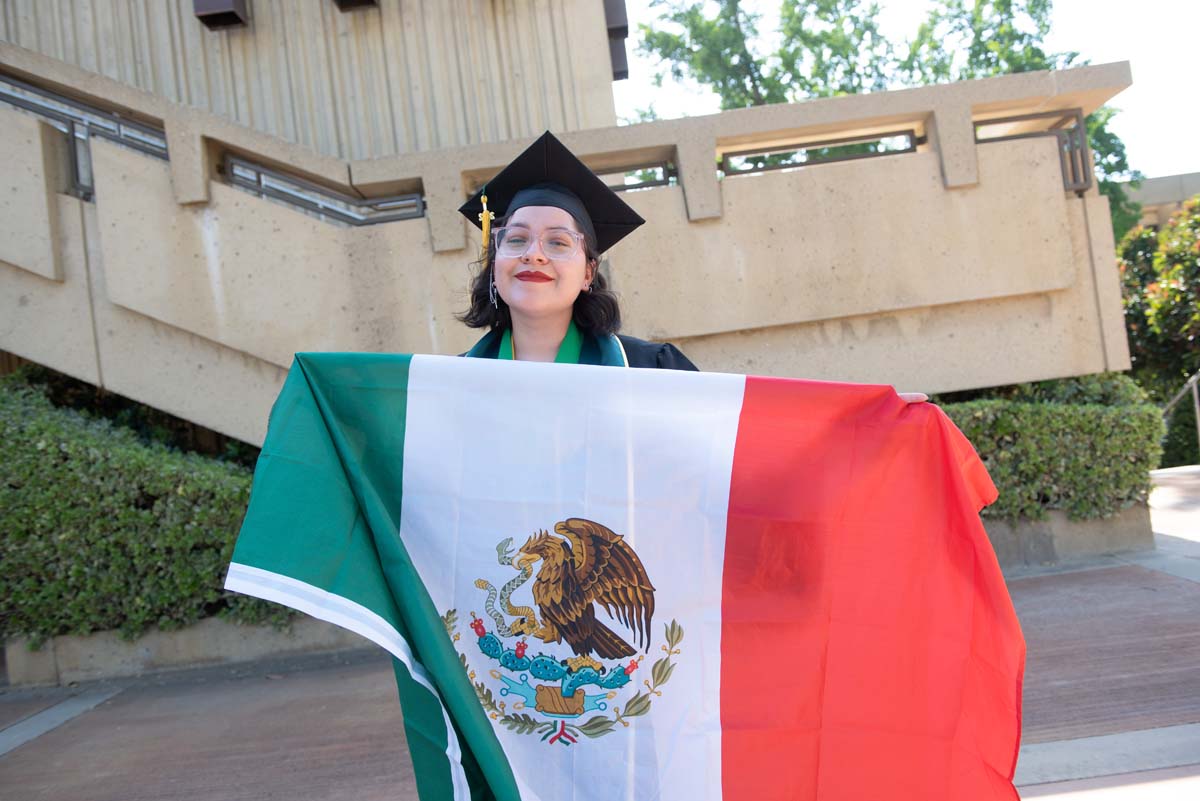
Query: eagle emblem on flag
(587, 565)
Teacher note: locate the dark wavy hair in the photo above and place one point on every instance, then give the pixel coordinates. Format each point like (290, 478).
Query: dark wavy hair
(596, 312)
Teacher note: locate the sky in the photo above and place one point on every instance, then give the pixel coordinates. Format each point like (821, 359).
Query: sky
(1159, 117)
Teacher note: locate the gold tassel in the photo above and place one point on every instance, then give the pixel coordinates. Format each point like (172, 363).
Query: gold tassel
(486, 217)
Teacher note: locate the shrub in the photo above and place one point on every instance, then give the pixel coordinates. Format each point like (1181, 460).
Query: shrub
(1160, 281)
(101, 531)
(1104, 389)
(1089, 460)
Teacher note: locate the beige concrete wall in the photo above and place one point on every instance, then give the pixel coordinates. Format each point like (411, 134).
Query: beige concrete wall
(32, 178)
(849, 238)
(73, 326)
(407, 76)
(43, 320)
(903, 269)
(106, 655)
(45, 306)
(171, 368)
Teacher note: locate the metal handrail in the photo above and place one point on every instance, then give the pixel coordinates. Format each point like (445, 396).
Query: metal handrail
(82, 122)
(910, 135)
(325, 203)
(1192, 384)
(1074, 156)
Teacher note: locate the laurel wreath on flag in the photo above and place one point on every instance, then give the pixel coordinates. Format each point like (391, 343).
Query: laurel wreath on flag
(596, 726)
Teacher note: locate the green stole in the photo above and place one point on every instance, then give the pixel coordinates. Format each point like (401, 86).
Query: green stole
(576, 348)
(568, 350)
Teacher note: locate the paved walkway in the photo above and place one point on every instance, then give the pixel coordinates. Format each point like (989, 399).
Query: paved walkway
(1112, 702)
(1112, 690)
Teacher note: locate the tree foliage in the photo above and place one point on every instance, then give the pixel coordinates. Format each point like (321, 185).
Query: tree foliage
(832, 47)
(100, 530)
(716, 52)
(825, 48)
(1113, 172)
(959, 42)
(1160, 277)
(1160, 281)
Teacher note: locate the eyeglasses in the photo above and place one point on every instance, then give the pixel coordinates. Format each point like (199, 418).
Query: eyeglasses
(556, 243)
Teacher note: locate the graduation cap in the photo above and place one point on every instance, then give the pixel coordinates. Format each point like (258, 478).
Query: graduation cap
(547, 174)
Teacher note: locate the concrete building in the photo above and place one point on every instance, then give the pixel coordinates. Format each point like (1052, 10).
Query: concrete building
(1161, 197)
(349, 80)
(175, 233)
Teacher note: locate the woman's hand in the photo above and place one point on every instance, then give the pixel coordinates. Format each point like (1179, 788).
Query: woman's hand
(913, 397)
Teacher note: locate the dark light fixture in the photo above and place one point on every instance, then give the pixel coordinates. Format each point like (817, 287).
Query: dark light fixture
(217, 14)
(350, 5)
(617, 21)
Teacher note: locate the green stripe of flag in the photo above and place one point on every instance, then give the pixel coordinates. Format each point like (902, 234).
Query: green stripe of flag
(311, 482)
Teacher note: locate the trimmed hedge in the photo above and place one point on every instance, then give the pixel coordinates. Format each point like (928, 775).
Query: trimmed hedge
(100, 531)
(1087, 460)
(1082, 445)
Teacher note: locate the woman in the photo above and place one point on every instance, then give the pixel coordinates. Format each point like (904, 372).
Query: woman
(539, 292)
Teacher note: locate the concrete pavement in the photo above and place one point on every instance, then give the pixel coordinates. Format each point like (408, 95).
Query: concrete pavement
(1111, 713)
(1112, 692)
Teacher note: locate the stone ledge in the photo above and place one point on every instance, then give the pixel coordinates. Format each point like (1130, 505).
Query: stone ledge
(212, 641)
(1058, 538)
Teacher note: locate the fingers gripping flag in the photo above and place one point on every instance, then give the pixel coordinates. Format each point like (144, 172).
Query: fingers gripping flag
(606, 584)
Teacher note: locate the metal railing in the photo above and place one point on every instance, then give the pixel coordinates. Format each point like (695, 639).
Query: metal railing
(825, 151)
(325, 203)
(1193, 386)
(1073, 155)
(640, 176)
(80, 122)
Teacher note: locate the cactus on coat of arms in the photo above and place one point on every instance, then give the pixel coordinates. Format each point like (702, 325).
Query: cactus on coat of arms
(590, 565)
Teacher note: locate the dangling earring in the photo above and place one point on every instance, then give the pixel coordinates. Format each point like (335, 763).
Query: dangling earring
(492, 290)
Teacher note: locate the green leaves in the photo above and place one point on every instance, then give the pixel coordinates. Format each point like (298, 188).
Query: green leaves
(637, 705)
(1160, 281)
(521, 723)
(99, 530)
(824, 48)
(662, 671)
(1087, 459)
(960, 41)
(598, 726)
(1113, 173)
(673, 633)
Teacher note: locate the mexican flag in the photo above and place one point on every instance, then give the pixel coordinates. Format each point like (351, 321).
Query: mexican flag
(604, 583)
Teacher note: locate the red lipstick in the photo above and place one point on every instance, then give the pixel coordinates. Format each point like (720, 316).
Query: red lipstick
(532, 275)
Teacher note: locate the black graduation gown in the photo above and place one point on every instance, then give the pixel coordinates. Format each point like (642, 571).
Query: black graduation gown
(618, 351)
(660, 355)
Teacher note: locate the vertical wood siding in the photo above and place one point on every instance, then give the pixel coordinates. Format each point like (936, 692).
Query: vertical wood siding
(410, 75)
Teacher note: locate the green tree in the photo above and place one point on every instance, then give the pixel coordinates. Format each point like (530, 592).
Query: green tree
(959, 42)
(1113, 172)
(996, 37)
(1160, 281)
(834, 47)
(1135, 260)
(1173, 300)
(827, 47)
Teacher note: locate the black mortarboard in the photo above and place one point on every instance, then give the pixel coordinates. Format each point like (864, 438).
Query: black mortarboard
(547, 174)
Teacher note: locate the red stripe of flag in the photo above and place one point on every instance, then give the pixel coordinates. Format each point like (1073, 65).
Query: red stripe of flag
(869, 647)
